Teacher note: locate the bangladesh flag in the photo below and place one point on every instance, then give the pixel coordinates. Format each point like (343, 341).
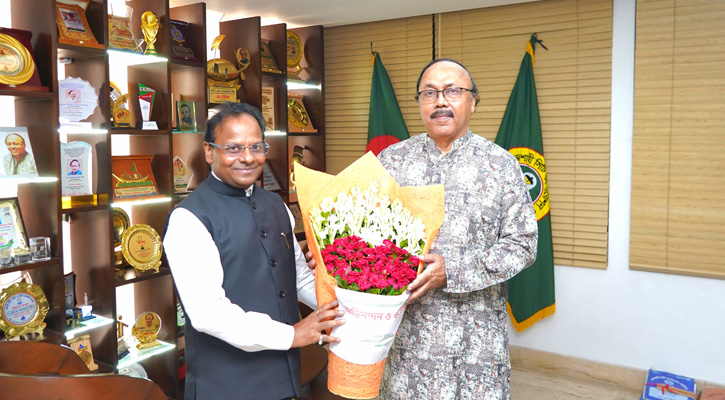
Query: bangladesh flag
(385, 121)
(531, 292)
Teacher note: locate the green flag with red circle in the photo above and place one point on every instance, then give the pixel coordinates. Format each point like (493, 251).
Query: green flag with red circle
(385, 121)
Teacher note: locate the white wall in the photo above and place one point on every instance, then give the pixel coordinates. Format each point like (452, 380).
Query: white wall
(623, 317)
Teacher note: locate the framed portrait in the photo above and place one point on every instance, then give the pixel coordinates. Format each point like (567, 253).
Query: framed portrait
(12, 227)
(299, 228)
(16, 154)
(72, 24)
(186, 116)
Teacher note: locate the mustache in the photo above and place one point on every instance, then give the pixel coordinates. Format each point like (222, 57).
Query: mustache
(442, 112)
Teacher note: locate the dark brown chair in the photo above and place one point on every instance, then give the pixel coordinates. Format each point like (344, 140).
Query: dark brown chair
(32, 358)
(78, 387)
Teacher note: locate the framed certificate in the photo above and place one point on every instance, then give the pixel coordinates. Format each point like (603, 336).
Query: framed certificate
(141, 247)
(73, 26)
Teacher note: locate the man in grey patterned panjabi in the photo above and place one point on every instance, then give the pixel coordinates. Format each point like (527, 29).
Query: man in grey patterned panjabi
(453, 341)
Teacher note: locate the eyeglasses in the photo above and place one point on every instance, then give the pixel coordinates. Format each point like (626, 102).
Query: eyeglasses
(450, 93)
(236, 150)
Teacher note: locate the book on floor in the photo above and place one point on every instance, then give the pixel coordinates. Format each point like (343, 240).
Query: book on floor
(661, 385)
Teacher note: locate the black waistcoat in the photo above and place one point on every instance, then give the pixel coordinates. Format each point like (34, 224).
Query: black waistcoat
(260, 276)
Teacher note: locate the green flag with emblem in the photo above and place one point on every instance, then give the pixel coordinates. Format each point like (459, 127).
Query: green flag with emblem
(531, 292)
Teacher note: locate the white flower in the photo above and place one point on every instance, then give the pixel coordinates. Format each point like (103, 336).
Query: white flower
(370, 216)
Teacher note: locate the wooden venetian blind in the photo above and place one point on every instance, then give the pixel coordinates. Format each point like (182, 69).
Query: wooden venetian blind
(573, 82)
(405, 47)
(678, 213)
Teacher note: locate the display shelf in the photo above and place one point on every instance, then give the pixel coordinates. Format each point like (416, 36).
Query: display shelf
(87, 325)
(74, 204)
(53, 262)
(27, 94)
(48, 336)
(128, 275)
(135, 355)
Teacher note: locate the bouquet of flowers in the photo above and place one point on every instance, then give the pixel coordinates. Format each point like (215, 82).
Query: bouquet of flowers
(366, 244)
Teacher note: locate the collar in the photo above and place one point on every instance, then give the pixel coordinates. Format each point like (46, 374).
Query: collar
(430, 145)
(220, 186)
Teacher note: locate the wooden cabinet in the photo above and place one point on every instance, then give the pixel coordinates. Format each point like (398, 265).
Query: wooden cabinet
(250, 34)
(87, 246)
(89, 238)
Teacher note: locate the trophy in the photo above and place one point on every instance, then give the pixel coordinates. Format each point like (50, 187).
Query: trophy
(295, 51)
(23, 307)
(222, 77)
(150, 27)
(146, 330)
(146, 99)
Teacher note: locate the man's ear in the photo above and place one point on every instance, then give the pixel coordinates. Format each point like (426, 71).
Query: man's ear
(207, 152)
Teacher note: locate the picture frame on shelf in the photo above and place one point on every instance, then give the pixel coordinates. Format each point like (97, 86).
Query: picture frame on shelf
(186, 116)
(73, 27)
(16, 154)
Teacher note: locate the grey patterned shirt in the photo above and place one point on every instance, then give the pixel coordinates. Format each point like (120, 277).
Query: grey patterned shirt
(453, 341)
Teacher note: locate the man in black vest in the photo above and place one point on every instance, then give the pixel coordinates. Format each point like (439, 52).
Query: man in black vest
(239, 270)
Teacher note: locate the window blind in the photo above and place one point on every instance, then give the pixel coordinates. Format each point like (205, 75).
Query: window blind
(405, 47)
(573, 82)
(678, 216)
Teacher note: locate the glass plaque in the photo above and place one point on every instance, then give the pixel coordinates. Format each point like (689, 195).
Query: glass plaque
(182, 175)
(186, 116)
(77, 99)
(75, 157)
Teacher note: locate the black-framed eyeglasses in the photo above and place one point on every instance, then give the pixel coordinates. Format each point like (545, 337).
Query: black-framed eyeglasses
(450, 93)
(236, 150)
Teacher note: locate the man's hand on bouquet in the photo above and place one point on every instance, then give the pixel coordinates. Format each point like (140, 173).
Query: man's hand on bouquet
(432, 277)
(311, 262)
(310, 330)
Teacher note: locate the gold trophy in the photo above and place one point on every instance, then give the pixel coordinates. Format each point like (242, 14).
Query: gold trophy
(150, 28)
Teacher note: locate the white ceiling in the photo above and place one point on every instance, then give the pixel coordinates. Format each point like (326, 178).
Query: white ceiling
(336, 12)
